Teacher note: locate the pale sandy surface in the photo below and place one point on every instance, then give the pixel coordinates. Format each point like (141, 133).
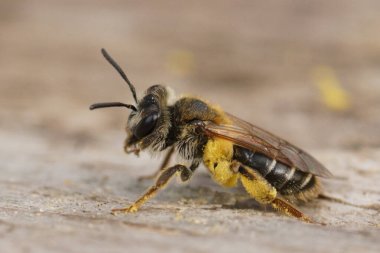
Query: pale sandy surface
(62, 166)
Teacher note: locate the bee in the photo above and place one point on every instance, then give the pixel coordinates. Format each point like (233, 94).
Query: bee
(272, 171)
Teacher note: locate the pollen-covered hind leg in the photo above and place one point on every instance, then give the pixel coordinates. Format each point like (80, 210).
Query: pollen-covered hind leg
(265, 193)
(161, 182)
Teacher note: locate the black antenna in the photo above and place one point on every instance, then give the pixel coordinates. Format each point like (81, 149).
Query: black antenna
(121, 72)
(112, 104)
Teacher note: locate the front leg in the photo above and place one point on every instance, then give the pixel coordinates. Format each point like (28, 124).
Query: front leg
(163, 165)
(161, 182)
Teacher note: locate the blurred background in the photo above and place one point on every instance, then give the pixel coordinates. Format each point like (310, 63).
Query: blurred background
(305, 70)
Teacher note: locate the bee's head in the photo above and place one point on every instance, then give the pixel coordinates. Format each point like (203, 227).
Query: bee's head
(148, 123)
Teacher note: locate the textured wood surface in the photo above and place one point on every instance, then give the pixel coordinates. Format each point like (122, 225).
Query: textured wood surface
(63, 168)
(60, 199)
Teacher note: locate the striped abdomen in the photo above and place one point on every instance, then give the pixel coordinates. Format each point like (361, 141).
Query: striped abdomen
(287, 180)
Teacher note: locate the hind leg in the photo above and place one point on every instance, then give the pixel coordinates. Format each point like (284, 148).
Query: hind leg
(265, 193)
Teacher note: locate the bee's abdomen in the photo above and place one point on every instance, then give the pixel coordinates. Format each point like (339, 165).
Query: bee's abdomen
(287, 180)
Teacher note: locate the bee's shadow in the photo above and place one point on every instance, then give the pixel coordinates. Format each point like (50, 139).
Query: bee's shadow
(202, 190)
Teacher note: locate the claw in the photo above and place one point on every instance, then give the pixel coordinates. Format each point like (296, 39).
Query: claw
(130, 209)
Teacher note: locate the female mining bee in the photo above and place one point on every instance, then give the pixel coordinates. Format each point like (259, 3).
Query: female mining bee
(272, 171)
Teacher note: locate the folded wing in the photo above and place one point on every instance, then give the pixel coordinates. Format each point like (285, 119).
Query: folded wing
(246, 135)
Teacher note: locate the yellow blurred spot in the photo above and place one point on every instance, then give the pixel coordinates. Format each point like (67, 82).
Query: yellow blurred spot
(67, 182)
(181, 62)
(179, 216)
(333, 94)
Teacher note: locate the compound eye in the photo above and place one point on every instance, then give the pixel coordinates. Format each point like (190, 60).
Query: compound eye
(146, 125)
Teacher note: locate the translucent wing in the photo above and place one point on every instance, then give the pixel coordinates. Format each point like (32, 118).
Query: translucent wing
(254, 138)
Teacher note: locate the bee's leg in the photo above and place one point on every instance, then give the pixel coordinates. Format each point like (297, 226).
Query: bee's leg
(161, 181)
(164, 164)
(265, 193)
(285, 207)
